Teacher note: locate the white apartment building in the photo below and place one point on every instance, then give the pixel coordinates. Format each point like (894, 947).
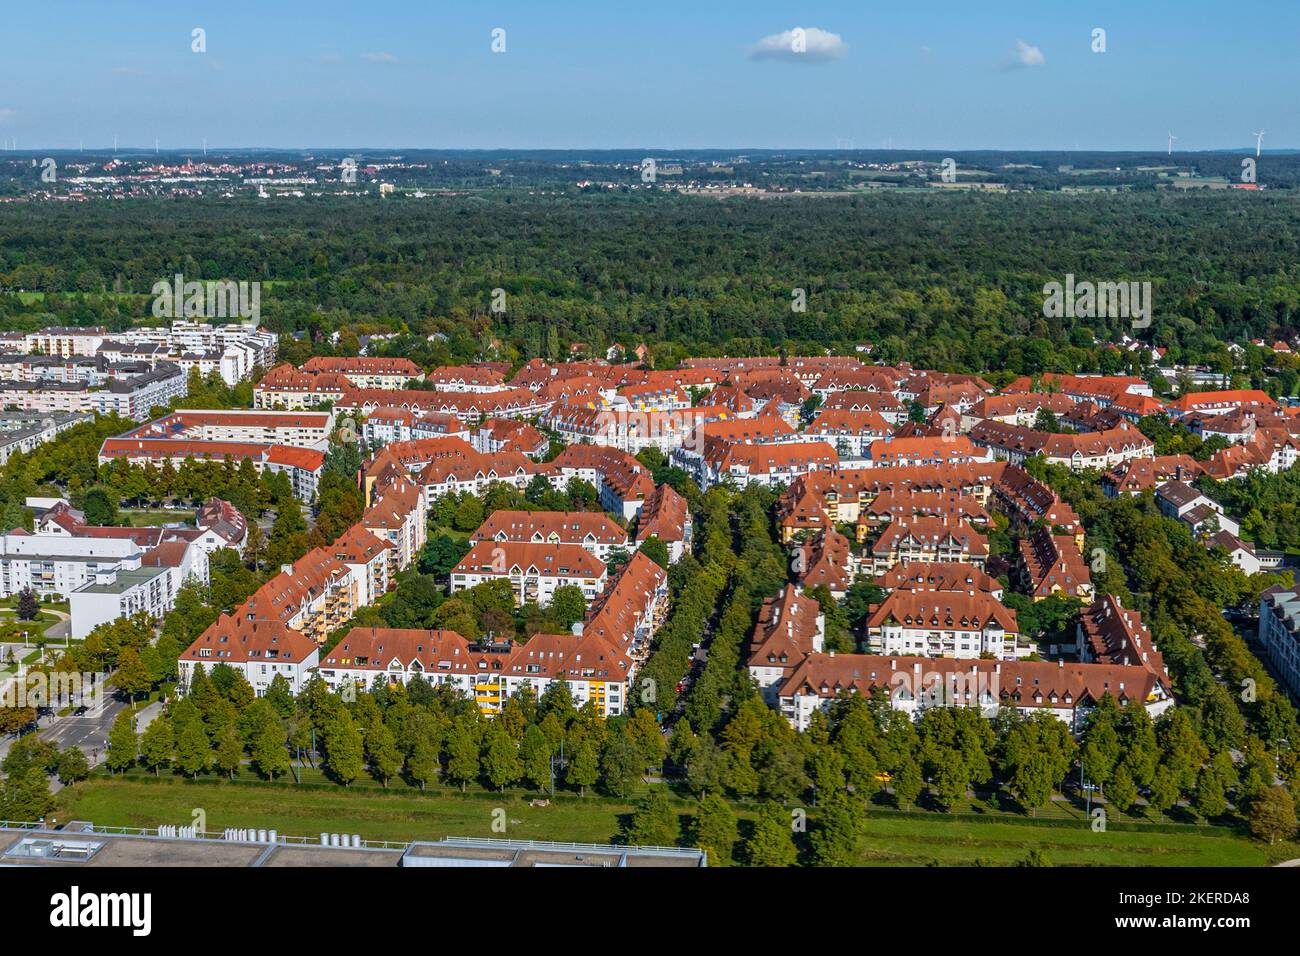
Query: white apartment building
(533, 570)
(132, 398)
(295, 429)
(489, 674)
(386, 425)
(233, 350)
(595, 531)
(257, 649)
(122, 591)
(22, 432)
(953, 624)
(1279, 627)
(399, 516)
(54, 565)
(914, 685)
(65, 341)
(367, 372)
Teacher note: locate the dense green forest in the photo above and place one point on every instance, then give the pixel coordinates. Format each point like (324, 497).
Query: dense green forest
(941, 280)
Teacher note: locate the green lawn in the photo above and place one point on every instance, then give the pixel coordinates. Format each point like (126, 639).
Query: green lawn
(44, 619)
(27, 298)
(148, 518)
(372, 813)
(893, 838)
(11, 603)
(28, 657)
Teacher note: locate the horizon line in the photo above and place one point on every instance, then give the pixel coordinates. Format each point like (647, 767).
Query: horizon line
(121, 148)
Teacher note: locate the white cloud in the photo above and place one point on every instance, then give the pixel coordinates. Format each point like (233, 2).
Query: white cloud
(809, 45)
(379, 57)
(1025, 56)
(7, 114)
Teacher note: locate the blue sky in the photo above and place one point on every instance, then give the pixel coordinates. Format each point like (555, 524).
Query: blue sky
(631, 74)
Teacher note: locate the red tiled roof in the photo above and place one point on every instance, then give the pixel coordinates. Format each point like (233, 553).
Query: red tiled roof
(363, 365)
(306, 459)
(551, 560)
(570, 527)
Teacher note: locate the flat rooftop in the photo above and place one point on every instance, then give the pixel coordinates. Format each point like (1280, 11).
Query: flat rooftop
(125, 579)
(81, 844)
(458, 852)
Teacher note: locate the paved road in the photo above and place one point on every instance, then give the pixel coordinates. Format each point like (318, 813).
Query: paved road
(61, 629)
(90, 733)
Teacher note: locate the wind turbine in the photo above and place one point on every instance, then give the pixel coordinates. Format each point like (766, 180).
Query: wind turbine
(1172, 137)
(1259, 142)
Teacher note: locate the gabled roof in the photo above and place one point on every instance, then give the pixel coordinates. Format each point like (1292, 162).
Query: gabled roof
(239, 638)
(514, 557)
(1027, 684)
(938, 576)
(786, 629)
(565, 527)
(946, 610)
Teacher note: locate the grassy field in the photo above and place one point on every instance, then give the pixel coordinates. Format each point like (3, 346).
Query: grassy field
(12, 629)
(146, 518)
(27, 298)
(11, 603)
(42, 621)
(893, 838)
(897, 840)
(373, 814)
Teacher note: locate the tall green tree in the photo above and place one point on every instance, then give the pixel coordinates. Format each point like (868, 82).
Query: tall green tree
(838, 834)
(584, 767)
(463, 766)
(158, 744)
(123, 744)
(270, 751)
(344, 748)
(501, 761)
(382, 753)
(715, 829)
(772, 841)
